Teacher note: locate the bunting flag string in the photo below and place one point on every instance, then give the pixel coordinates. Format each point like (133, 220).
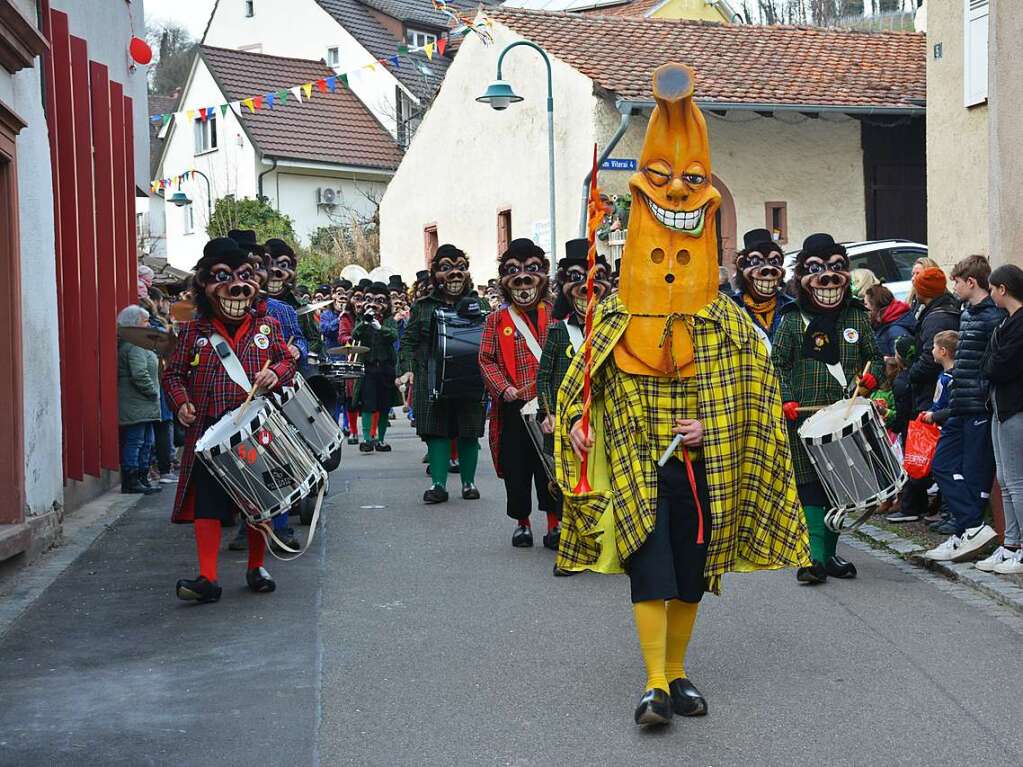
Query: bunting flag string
(304, 91)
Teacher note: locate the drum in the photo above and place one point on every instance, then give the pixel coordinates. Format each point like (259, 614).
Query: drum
(453, 368)
(314, 423)
(259, 459)
(854, 460)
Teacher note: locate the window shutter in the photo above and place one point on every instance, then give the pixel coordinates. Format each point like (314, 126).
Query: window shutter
(975, 52)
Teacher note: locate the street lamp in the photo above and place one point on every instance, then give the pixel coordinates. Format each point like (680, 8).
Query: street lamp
(180, 199)
(500, 96)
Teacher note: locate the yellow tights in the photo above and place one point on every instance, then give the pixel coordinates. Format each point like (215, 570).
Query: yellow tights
(664, 629)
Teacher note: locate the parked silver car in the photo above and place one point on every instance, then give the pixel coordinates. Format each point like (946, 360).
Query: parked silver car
(890, 260)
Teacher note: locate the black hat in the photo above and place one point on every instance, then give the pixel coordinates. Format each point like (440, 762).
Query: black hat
(395, 282)
(759, 239)
(246, 239)
(277, 248)
(364, 284)
(577, 254)
(523, 248)
(821, 245)
(422, 275)
(222, 250)
(379, 289)
(346, 284)
(323, 288)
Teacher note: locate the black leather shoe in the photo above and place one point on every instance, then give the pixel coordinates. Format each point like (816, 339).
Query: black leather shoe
(452, 466)
(654, 709)
(837, 567)
(259, 580)
(522, 538)
(686, 699)
(550, 540)
(470, 492)
(435, 495)
(559, 573)
(365, 447)
(812, 575)
(200, 590)
(353, 440)
(382, 447)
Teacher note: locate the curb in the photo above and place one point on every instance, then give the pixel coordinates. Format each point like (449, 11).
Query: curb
(999, 589)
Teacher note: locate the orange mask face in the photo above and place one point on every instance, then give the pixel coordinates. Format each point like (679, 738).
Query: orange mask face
(669, 264)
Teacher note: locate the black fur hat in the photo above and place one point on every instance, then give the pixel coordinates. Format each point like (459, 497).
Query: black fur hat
(246, 239)
(221, 250)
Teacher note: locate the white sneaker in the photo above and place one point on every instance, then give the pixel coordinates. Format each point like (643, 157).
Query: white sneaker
(947, 551)
(1001, 554)
(973, 540)
(169, 479)
(1011, 566)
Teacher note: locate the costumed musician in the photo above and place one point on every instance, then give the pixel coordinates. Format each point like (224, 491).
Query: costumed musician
(200, 391)
(759, 269)
(376, 393)
(281, 286)
(688, 468)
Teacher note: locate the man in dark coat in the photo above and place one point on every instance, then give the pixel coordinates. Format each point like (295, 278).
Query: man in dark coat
(438, 422)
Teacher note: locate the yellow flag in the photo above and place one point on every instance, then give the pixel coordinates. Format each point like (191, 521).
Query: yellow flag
(191, 114)
(307, 89)
(249, 104)
(372, 66)
(428, 48)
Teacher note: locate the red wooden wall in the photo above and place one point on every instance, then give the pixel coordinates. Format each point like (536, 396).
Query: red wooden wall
(94, 213)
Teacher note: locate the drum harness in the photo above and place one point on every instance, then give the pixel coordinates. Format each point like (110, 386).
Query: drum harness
(236, 372)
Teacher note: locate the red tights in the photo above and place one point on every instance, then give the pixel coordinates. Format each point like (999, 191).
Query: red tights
(207, 543)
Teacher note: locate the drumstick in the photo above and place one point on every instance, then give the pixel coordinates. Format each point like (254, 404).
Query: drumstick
(252, 391)
(856, 389)
(666, 456)
(810, 409)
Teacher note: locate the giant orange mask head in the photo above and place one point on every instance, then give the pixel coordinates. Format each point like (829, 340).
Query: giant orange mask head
(669, 264)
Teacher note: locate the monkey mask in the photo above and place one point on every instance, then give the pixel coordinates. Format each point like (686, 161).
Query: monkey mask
(450, 271)
(283, 264)
(822, 273)
(669, 265)
(523, 271)
(760, 266)
(225, 283)
(572, 272)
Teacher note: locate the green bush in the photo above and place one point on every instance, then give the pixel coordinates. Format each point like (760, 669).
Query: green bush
(246, 213)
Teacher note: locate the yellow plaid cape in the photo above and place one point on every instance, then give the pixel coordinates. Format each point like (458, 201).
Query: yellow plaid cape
(757, 521)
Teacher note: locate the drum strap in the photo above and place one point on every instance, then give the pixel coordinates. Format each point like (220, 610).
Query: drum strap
(526, 332)
(835, 368)
(230, 361)
(266, 530)
(575, 335)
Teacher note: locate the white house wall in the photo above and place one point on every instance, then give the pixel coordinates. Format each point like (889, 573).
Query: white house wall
(466, 161)
(231, 168)
(296, 195)
(302, 29)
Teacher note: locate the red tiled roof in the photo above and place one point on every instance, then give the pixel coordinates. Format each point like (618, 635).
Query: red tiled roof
(330, 127)
(628, 8)
(735, 63)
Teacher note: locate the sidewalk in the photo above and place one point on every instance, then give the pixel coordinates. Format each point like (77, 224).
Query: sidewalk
(88, 678)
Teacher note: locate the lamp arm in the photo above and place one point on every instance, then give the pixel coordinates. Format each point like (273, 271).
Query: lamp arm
(546, 60)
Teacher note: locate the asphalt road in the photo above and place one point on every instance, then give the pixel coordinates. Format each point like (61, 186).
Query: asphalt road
(415, 635)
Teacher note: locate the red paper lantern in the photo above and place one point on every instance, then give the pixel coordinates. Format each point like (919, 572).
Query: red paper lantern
(140, 51)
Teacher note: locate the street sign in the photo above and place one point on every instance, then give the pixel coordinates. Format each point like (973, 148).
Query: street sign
(612, 163)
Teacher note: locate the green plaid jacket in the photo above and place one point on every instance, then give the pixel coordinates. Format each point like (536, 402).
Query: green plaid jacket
(808, 382)
(554, 362)
(757, 522)
(465, 419)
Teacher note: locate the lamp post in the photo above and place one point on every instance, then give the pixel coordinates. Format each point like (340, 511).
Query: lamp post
(499, 95)
(180, 199)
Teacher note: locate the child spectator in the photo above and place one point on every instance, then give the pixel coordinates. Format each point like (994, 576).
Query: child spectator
(1003, 367)
(964, 463)
(944, 353)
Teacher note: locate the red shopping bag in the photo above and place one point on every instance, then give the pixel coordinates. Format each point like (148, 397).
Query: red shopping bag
(921, 442)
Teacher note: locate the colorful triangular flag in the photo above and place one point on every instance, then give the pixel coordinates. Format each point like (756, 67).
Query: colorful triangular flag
(166, 118)
(191, 114)
(297, 90)
(270, 100)
(428, 50)
(282, 95)
(322, 85)
(258, 102)
(307, 89)
(223, 109)
(155, 118)
(442, 45)
(332, 83)
(250, 104)
(395, 61)
(403, 50)
(344, 80)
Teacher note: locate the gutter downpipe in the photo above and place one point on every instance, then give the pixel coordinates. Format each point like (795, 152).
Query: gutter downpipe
(259, 181)
(627, 110)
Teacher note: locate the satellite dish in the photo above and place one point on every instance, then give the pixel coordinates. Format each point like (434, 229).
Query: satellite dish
(354, 273)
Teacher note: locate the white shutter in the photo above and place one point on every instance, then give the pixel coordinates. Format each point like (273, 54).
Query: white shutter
(975, 51)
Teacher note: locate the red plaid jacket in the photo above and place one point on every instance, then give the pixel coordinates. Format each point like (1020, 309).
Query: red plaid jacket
(195, 374)
(496, 375)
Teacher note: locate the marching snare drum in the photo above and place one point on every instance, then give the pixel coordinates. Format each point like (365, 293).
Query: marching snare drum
(259, 459)
(854, 460)
(312, 420)
(453, 368)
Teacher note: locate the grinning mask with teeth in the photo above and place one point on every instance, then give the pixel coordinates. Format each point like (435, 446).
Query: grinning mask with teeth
(572, 270)
(450, 271)
(225, 284)
(760, 270)
(823, 280)
(523, 272)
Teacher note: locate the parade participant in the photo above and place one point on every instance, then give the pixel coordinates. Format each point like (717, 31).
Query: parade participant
(821, 347)
(671, 356)
(281, 285)
(440, 422)
(510, 349)
(759, 269)
(376, 393)
(200, 391)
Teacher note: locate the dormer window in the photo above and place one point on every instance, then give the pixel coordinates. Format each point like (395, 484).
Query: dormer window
(333, 57)
(250, 8)
(417, 38)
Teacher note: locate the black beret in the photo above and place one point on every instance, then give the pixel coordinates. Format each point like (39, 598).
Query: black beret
(277, 248)
(222, 250)
(523, 248)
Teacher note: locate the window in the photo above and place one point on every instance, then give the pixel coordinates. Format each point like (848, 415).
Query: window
(250, 8)
(189, 218)
(333, 57)
(902, 260)
(205, 134)
(504, 230)
(408, 116)
(975, 29)
(430, 241)
(777, 223)
(418, 38)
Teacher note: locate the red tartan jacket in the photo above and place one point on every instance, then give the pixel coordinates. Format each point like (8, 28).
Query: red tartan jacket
(498, 375)
(195, 374)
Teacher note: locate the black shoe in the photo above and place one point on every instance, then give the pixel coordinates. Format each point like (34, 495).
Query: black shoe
(837, 567)
(654, 709)
(944, 527)
(240, 542)
(559, 573)
(131, 484)
(200, 590)
(382, 447)
(353, 440)
(426, 458)
(452, 466)
(365, 447)
(144, 481)
(259, 580)
(812, 575)
(286, 538)
(435, 494)
(550, 540)
(522, 538)
(470, 492)
(686, 699)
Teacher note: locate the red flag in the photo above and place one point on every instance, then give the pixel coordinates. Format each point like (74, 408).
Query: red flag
(322, 85)
(442, 43)
(257, 102)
